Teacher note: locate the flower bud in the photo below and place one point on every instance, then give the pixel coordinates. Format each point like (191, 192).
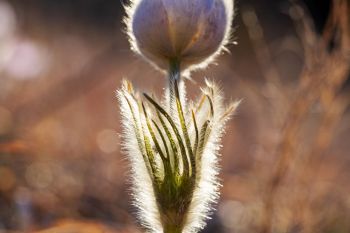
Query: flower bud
(191, 32)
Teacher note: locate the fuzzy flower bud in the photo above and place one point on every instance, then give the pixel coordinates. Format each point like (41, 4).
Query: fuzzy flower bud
(190, 32)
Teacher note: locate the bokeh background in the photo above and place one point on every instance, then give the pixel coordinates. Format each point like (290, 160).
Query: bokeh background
(286, 154)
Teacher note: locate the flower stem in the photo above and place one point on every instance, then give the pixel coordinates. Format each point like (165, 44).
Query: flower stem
(174, 76)
(171, 229)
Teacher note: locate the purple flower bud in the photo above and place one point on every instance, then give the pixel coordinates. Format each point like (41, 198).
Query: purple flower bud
(192, 32)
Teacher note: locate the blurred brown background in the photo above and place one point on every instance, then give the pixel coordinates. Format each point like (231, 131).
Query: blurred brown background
(285, 160)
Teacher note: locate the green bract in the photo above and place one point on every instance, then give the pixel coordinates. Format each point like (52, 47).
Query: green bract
(174, 148)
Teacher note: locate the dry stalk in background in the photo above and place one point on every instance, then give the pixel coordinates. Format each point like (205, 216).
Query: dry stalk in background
(324, 73)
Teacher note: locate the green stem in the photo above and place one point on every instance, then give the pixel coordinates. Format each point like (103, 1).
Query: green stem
(174, 70)
(174, 75)
(172, 229)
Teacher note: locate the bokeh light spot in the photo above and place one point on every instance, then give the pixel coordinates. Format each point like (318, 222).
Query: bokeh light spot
(28, 60)
(39, 175)
(232, 214)
(107, 141)
(7, 20)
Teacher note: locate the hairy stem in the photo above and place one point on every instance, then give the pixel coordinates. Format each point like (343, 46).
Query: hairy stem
(174, 75)
(171, 229)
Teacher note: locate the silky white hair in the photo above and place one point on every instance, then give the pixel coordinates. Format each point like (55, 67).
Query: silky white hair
(206, 186)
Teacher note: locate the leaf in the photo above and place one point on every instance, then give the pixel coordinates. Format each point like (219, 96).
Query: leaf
(177, 134)
(154, 138)
(138, 137)
(184, 130)
(195, 146)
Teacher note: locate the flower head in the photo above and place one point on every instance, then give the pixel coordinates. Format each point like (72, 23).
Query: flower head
(191, 32)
